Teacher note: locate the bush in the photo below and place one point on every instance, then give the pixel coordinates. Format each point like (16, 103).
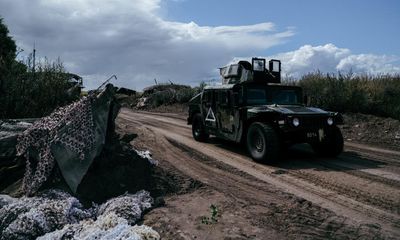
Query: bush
(377, 95)
(185, 94)
(162, 98)
(29, 94)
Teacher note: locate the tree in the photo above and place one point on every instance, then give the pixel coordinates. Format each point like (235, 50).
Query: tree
(25, 93)
(8, 50)
(8, 47)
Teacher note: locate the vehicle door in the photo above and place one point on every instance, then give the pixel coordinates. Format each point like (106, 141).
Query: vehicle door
(224, 112)
(208, 109)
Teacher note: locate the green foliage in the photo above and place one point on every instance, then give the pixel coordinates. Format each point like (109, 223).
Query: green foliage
(35, 93)
(214, 215)
(7, 44)
(377, 95)
(26, 92)
(185, 94)
(162, 98)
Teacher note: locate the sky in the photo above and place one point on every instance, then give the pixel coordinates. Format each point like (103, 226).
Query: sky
(185, 41)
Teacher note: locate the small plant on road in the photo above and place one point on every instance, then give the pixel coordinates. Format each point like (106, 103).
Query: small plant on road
(214, 215)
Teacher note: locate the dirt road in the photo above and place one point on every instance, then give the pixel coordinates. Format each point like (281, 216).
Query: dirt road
(354, 196)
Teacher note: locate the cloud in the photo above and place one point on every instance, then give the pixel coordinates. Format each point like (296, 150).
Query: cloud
(98, 38)
(374, 64)
(330, 58)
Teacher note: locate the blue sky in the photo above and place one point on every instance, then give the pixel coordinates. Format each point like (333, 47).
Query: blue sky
(185, 41)
(371, 26)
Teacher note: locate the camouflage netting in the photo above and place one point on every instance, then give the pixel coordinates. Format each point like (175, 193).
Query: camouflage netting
(108, 226)
(27, 218)
(127, 207)
(39, 138)
(58, 215)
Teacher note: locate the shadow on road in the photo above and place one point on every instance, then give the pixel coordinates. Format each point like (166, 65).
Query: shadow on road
(301, 156)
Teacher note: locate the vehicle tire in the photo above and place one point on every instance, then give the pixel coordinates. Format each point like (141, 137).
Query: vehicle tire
(332, 144)
(262, 142)
(198, 129)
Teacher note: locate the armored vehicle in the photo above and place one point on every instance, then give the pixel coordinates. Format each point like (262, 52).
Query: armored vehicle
(252, 107)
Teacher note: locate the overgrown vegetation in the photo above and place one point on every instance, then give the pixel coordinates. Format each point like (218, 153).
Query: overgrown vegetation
(27, 91)
(369, 94)
(165, 94)
(376, 95)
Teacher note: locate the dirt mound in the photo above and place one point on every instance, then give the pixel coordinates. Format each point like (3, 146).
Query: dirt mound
(164, 95)
(117, 170)
(372, 130)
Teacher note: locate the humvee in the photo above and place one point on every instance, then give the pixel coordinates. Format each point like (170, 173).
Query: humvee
(252, 107)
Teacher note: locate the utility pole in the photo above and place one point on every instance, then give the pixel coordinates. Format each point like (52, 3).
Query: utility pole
(34, 57)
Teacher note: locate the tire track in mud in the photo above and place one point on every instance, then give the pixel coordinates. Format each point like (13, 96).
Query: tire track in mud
(362, 169)
(294, 179)
(374, 189)
(310, 182)
(289, 214)
(390, 176)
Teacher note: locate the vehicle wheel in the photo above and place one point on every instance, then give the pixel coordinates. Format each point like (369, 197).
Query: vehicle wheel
(332, 144)
(262, 142)
(198, 130)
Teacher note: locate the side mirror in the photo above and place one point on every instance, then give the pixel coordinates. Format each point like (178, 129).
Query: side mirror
(307, 100)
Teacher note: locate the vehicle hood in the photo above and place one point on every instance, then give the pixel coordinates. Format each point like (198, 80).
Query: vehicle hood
(287, 109)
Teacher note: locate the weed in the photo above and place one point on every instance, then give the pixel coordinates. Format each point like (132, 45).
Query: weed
(214, 215)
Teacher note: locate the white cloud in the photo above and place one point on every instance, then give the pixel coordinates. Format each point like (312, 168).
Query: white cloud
(369, 63)
(329, 58)
(98, 38)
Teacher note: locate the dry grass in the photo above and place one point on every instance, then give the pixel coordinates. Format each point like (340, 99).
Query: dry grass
(376, 95)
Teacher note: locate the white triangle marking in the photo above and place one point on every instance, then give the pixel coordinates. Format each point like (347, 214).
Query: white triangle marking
(210, 115)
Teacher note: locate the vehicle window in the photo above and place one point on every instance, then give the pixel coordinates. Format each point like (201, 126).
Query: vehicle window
(263, 96)
(233, 70)
(256, 96)
(283, 96)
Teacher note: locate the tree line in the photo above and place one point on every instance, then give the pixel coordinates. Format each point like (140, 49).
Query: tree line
(28, 91)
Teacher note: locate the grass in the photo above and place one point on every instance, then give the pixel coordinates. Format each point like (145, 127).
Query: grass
(370, 94)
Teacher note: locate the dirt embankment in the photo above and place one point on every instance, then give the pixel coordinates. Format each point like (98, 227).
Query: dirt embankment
(379, 131)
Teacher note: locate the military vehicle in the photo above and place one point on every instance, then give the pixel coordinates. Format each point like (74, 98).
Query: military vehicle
(252, 107)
